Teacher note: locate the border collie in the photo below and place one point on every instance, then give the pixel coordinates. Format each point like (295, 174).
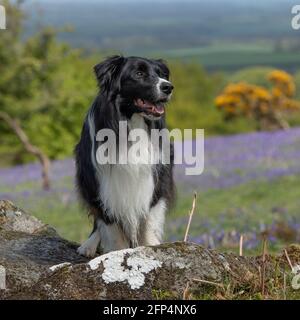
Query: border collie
(127, 201)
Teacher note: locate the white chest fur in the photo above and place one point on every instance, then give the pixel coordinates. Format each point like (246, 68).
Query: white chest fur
(126, 190)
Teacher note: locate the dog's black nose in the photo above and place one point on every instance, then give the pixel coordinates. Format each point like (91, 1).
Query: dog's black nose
(166, 87)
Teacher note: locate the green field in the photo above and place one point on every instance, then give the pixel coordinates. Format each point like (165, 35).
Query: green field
(231, 209)
(233, 56)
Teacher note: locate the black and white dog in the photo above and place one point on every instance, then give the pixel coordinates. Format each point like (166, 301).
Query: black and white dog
(128, 201)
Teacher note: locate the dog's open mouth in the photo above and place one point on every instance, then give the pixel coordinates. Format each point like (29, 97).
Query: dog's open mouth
(156, 109)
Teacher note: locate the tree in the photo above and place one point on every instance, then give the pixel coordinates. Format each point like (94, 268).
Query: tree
(17, 129)
(46, 85)
(45, 88)
(268, 107)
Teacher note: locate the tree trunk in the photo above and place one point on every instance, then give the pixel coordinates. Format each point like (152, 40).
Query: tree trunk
(43, 159)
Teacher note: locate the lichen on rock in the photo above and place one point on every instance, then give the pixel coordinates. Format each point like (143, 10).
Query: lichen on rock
(126, 265)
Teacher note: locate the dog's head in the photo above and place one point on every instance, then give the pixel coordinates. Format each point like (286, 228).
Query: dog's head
(142, 85)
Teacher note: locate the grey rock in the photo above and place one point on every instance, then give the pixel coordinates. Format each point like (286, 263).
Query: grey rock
(39, 264)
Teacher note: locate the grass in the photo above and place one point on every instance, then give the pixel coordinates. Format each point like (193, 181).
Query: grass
(277, 284)
(275, 291)
(219, 47)
(240, 208)
(236, 208)
(229, 56)
(256, 199)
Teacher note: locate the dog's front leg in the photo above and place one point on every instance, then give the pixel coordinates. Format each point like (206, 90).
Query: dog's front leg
(109, 236)
(89, 247)
(152, 231)
(112, 237)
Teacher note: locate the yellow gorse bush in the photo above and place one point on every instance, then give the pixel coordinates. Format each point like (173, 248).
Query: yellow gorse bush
(283, 81)
(264, 105)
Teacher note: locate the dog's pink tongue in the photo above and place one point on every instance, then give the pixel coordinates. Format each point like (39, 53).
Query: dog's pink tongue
(159, 109)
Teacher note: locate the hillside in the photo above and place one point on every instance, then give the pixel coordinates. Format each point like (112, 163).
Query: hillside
(211, 32)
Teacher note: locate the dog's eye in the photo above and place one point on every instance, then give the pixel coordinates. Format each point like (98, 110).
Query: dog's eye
(139, 74)
(164, 75)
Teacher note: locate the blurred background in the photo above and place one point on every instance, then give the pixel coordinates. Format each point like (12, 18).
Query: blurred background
(236, 69)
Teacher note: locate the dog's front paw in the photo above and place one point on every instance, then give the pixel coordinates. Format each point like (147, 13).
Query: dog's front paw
(87, 251)
(90, 246)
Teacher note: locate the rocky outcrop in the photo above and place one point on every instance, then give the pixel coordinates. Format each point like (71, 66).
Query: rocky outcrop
(39, 264)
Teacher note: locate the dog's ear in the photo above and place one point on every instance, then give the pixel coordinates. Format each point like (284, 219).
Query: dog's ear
(108, 70)
(163, 66)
